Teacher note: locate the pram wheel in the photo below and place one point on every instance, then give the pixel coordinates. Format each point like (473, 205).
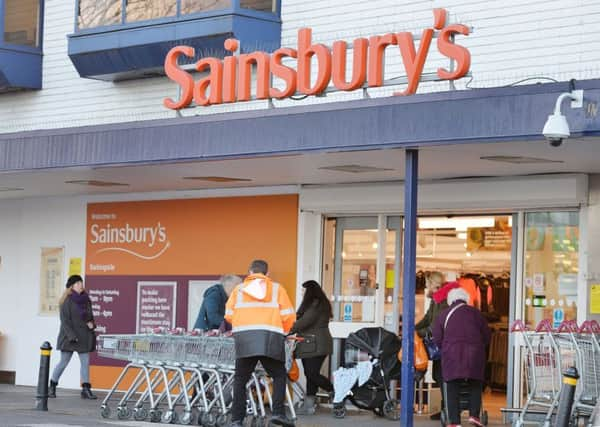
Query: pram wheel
(390, 410)
(140, 414)
(105, 411)
(339, 411)
(123, 412)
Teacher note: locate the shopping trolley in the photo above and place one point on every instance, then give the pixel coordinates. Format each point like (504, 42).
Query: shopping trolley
(588, 365)
(174, 369)
(541, 363)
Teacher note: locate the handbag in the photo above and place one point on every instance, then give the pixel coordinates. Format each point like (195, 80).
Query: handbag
(433, 351)
(307, 345)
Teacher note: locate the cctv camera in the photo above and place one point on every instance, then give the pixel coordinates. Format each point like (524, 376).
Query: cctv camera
(556, 129)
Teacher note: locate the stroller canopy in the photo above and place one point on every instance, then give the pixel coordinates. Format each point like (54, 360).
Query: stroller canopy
(380, 344)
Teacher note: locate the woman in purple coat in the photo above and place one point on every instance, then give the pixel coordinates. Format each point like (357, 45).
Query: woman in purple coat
(463, 334)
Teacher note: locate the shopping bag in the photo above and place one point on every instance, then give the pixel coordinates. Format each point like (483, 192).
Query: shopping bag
(421, 359)
(433, 351)
(294, 372)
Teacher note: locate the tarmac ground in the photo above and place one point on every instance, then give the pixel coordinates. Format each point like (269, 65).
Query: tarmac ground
(17, 409)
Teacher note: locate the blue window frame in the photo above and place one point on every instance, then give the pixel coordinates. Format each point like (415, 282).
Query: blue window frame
(21, 44)
(129, 39)
(21, 25)
(106, 15)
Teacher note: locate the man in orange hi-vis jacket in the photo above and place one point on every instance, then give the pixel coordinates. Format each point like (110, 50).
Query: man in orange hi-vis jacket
(261, 314)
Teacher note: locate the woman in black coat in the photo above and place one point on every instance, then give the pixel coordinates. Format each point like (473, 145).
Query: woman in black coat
(312, 324)
(76, 334)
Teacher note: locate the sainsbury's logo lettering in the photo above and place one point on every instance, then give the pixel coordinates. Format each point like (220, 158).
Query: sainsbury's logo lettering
(153, 237)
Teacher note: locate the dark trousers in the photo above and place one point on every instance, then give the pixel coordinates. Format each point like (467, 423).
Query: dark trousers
(453, 389)
(243, 371)
(314, 379)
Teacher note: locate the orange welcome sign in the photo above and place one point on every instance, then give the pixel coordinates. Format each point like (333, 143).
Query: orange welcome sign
(229, 80)
(193, 236)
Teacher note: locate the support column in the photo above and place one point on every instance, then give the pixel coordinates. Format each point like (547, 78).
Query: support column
(409, 286)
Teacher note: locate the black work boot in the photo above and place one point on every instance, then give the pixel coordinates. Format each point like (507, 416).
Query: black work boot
(52, 389)
(86, 391)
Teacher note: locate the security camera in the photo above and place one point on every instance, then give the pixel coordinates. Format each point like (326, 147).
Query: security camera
(556, 128)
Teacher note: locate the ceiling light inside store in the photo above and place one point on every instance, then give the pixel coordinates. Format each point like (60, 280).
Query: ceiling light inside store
(374, 245)
(462, 236)
(457, 223)
(354, 168)
(216, 178)
(519, 159)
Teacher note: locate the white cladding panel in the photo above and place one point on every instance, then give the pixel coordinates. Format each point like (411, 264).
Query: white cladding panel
(512, 40)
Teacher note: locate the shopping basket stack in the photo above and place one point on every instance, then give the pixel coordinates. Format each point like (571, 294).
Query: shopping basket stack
(547, 353)
(179, 376)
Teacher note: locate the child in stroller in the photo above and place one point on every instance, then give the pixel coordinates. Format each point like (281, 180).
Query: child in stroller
(370, 363)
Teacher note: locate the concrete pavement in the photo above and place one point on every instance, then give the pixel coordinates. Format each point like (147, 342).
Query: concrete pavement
(17, 405)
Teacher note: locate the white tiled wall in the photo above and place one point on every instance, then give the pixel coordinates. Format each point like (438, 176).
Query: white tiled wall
(511, 40)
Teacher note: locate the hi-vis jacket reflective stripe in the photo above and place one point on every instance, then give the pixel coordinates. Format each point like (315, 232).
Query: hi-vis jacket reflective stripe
(260, 313)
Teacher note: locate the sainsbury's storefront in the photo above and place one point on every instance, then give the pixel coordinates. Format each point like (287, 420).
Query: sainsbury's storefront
(319, 191)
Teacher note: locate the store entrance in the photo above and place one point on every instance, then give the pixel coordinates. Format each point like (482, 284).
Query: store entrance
(362, 262)
(475, 251)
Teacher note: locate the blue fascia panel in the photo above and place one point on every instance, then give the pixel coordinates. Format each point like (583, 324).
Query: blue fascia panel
(20, 69)
(473, 116)
(139, 50)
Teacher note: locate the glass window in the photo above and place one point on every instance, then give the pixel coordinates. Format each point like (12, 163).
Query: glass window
(143, 10)
(350, 267)
(195, 6)
(262, 5)
(551, 266)
(359, 271)
(96, 13)
(21, 22)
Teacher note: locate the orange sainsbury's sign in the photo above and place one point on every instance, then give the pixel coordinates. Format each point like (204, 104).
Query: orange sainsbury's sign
(229, 80)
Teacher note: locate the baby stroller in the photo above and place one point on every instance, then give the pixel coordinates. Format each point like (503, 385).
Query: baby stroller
(464, 405)
(376, 348)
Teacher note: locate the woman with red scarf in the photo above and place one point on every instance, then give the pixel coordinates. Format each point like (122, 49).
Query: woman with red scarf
(76, 334)
(438, 291)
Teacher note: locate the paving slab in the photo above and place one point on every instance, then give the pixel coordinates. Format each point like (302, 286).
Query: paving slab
(17, 409)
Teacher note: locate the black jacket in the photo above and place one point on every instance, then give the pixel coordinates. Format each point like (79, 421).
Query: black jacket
(74, 334)
(313, 322)
(425, 325)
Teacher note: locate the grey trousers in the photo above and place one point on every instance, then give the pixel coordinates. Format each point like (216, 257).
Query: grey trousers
(65, 358)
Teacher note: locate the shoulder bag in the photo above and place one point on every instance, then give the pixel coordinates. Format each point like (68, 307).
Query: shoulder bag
(433, 350)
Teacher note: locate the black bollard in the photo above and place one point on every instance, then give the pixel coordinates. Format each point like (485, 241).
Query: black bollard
(43, 376)
(567, 394)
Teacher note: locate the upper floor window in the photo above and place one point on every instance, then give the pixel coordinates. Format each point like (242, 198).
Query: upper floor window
(97, 13)
(22, 22)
